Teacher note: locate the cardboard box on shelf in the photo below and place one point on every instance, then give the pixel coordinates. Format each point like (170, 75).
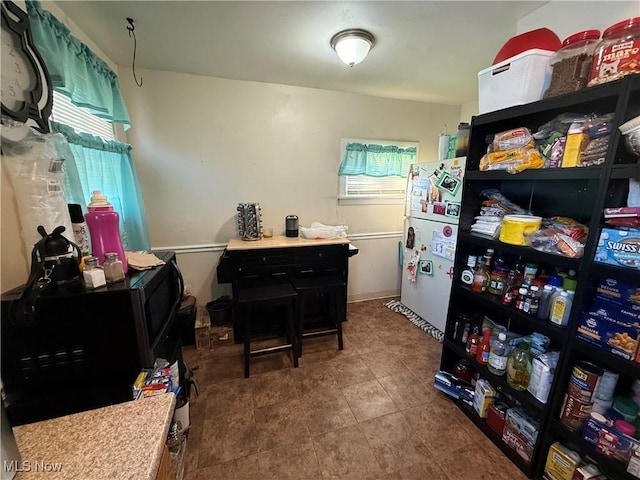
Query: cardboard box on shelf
(614, 336)
(620, 247)
(203, 331)
(221, 335)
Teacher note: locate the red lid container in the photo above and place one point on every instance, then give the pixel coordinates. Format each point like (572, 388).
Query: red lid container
(617, 28)
(618, 53)
(541, 38)
(576, 38)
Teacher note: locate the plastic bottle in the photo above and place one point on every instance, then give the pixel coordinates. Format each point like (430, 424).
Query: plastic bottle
(618, 53)
(533, 300)
(571, 64)
(92, 274)
(521, 300)
(484, 349)
(560, 309)
(104, 228)
(544, 306)
(519, 367)
(497, 363)
(472, 342)
(79, 228)
(468, 273)
(481, 277)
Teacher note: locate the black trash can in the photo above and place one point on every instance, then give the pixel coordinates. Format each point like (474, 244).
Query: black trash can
(186, 319)
(220, 310)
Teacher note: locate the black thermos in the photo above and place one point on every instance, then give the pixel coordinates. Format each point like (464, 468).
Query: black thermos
(291, 225)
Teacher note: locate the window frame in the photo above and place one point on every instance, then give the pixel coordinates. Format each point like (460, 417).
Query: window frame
(375, 199)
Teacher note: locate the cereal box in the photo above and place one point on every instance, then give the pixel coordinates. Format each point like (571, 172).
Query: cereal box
(619, 292)
(619, 338)
(620, 247)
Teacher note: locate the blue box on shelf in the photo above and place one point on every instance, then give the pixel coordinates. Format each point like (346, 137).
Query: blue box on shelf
(619, 247)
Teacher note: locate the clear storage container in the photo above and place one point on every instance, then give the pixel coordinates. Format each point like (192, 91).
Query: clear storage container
(571, 64)
(618, 53)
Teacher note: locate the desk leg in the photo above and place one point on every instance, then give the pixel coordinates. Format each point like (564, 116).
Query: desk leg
(247, 338)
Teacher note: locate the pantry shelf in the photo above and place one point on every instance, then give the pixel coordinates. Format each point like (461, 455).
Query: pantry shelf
(576, 193)
(525, 252)
(606, 270)
(539, 174)
(526, 467)
(607, 359)
(555, 334)
(500, 382)
(573, 439)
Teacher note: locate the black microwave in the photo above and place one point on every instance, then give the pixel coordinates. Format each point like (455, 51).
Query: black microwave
(84, 348)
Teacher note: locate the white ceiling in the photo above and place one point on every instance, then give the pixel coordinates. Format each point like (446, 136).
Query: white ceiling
(428, 50)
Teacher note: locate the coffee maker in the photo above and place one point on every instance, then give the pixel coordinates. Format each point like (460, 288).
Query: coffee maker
(249, 221)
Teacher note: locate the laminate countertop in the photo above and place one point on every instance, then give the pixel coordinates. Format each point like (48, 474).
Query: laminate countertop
(118, 442)
(283, 242)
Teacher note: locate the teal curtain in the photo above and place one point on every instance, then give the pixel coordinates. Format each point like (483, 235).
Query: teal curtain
(106, 165)
(75, 70)
(377, 160)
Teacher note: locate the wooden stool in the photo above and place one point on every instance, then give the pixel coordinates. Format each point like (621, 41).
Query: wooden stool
(335, 289)
(276, 295)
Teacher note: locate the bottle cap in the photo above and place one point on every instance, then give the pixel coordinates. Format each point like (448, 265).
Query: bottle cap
(111, 256)
(548, 288)
(91, 262)
(75, 212)
(98, 199)
(555, 280)
(502, 336)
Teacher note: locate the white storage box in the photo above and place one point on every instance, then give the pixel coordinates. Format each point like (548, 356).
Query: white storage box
(515, 81)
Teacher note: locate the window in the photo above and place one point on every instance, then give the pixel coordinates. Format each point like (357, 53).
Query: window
(80, 119)
(365, 188)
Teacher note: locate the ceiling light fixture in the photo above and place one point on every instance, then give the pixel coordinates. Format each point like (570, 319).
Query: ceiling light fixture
(353, 45)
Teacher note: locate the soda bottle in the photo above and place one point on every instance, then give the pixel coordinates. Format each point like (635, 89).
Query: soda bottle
(482, 356)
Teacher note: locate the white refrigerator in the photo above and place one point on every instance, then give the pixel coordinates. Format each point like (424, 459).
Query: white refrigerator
(432, 210)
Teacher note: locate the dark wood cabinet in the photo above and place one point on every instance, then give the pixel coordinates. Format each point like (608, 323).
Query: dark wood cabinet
(578, 193)
(85, 348)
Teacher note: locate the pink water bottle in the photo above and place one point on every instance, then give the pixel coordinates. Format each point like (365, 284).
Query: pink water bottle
(104, 228)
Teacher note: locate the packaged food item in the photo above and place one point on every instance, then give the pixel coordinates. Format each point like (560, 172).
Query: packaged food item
(542, 371)
(514, 160)
(571, 64)
(577, 140)
(618, 53)
(561, 463)
(515, 138)
(619, 246)
(598, 134)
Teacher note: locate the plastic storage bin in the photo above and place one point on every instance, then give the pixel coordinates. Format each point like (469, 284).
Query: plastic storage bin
(517, 80)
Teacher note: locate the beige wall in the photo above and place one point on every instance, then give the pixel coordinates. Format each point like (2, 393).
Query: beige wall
(203, 144)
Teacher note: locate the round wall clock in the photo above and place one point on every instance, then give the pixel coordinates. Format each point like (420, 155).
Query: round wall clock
(25, 84)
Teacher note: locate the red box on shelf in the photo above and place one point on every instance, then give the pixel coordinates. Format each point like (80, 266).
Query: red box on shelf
(496, 417)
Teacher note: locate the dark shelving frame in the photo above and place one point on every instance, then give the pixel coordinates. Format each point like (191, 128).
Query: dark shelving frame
(586, 192)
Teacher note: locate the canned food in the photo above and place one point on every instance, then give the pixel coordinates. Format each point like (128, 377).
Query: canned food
(584, 380)
(574, 412)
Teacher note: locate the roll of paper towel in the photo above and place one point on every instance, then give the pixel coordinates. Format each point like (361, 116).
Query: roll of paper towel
(443, 146)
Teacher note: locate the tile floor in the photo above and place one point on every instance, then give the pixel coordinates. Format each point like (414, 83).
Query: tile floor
(367, 412)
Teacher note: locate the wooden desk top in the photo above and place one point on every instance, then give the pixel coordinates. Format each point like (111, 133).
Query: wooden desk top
(283, 242)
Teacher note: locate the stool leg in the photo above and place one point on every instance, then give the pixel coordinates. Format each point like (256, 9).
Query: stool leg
(293, 333)
(336, 295)
(247, 340)
(300, 322)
